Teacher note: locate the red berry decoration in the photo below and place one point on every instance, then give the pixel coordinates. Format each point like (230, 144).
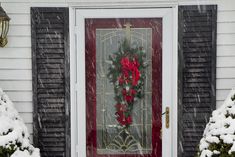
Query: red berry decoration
(127, 73)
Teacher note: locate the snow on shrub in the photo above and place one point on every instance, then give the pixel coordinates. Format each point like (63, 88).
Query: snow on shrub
(14, 136)
(219, 136)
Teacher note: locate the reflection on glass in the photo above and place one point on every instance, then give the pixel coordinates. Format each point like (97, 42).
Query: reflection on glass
(108, 130)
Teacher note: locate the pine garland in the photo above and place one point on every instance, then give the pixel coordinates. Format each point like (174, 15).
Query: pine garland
(127, 73)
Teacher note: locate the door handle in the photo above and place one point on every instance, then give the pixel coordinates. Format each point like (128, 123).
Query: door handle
(167, 117)
(167, 120)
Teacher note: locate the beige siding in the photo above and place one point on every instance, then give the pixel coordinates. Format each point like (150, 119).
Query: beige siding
(15, 59)
(225, 50)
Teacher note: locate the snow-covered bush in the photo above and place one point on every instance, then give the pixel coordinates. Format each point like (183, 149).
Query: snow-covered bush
(219, 136)
(14, 136)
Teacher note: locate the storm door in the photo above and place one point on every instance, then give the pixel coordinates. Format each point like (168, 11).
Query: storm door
(123, 63)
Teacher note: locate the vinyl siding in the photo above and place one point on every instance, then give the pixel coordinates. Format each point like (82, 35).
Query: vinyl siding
(225, 51)
(15, 61)
(15, 58)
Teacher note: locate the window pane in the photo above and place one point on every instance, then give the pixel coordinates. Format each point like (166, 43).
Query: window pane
(109, 134)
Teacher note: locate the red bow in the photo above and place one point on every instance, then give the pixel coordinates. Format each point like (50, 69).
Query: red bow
(131, 67)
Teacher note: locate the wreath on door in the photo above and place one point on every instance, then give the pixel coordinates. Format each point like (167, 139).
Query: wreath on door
(127, 74)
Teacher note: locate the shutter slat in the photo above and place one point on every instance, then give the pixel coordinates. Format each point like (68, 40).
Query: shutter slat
(49, 31)
(50, 66)
(50, 84)
(199, 18)
(50, 51)
(50, 41)
(49, 56)
(50, 46)
(198, 24)
(196, 35)
(196, 14)
(197, 66)
(50, 36)
(51, 71)
(50, 61)
(197, 29)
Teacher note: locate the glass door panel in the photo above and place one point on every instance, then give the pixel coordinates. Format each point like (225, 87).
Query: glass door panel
(109, 139)
(140, 133)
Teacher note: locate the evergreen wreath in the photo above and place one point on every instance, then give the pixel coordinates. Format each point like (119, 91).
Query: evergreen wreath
(127, 73)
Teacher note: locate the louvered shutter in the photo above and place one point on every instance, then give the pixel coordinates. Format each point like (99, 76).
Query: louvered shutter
(197, 74)
(50, 66)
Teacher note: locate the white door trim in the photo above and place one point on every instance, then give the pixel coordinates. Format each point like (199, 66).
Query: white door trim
(77, 65)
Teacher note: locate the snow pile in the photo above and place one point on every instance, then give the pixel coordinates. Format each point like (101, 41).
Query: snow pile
(219, 136)
(14, 136)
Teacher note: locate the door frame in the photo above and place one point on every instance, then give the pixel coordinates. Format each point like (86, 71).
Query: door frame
(77, 71)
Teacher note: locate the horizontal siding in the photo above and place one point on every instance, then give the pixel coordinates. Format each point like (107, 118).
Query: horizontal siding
(20, 19)
(10, 53)
(16, 8)
(15, 62)
(16, 85)
(20, 96)
(226, 28)
(18, 63)
(225, 84)
(27, 117)
(226, 16)
(20, 30)
(225, 51)
(30, 128)
(222, 94)
(19, 42)
(15, 58)
(225, 73)
(23, 107)
(226, 61)
(15, 74)
(226, 38)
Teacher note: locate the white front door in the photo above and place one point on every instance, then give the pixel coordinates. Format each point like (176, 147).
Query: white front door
(100, 128)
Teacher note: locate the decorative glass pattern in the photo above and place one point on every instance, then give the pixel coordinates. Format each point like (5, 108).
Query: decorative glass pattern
(107, 42)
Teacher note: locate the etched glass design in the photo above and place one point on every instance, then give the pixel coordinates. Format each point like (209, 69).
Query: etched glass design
(108, 42)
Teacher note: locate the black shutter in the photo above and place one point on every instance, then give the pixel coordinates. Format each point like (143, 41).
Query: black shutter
(50, 66)
(197, 74)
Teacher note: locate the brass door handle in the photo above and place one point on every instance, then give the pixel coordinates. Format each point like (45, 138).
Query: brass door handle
(167, 117)
(167, 120)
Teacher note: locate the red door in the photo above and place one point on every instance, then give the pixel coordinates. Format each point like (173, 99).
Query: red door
(105, 135)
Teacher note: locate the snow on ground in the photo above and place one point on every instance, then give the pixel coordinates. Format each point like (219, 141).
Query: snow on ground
(13, 130)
